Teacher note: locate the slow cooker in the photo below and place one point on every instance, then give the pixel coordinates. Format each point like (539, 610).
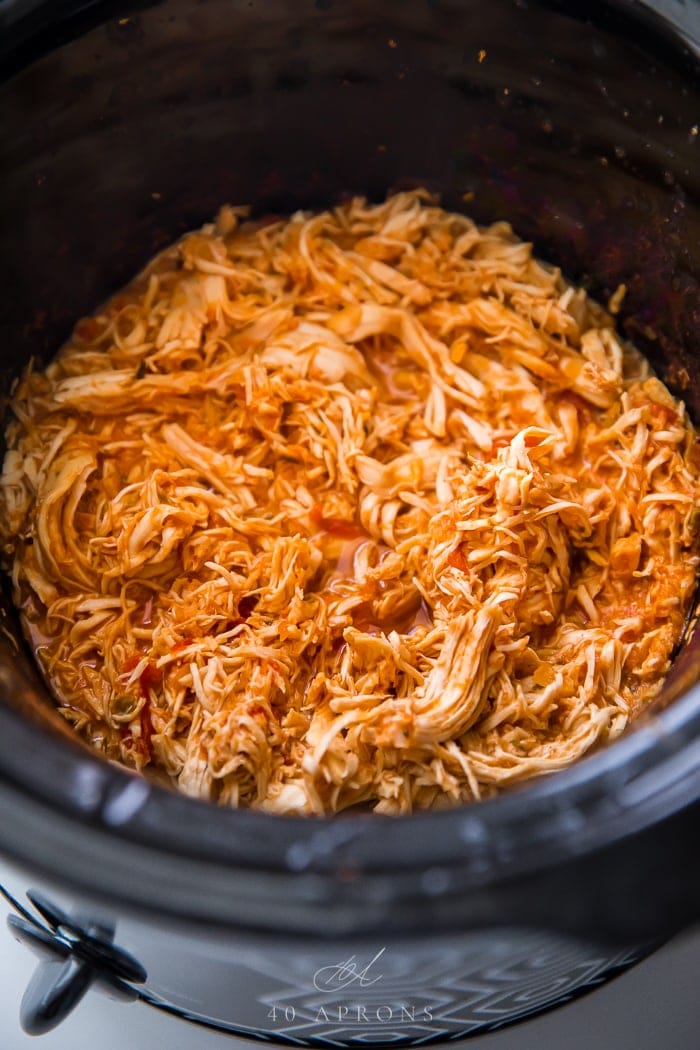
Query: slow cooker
(127, 123)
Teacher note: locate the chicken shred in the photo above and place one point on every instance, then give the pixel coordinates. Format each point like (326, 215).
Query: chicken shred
(367, 506)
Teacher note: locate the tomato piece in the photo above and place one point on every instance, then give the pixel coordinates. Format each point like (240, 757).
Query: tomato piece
(141, 744)
(151, 678)
(457, 560)
(182, 644)
(347, 530)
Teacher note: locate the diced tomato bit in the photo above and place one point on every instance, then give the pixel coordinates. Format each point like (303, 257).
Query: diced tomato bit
(142, 743)
(456, 560)
(316, 515)
(151, 678)
(182, 644)
(531, 440)
(347, 530)
(131, 662)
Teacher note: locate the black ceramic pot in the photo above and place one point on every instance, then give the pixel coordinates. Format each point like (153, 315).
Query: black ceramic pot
(124, 124)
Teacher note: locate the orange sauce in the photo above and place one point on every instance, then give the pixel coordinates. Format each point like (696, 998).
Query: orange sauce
(150, 678)
(336, 526)
(365, 619)
(393, 375)
(339, 558)
(339, 565)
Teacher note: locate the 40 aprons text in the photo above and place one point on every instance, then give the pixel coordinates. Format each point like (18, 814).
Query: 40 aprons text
(354, 1014)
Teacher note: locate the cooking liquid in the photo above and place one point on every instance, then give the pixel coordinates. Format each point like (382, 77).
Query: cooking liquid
(340, 570)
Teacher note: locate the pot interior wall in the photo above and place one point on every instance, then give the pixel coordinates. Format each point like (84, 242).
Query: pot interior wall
(133, 122)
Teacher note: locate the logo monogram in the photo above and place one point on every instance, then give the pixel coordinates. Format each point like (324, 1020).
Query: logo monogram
(337, 976)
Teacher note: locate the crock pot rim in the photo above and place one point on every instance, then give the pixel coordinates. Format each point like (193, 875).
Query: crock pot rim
(644, 777)
(650, 773)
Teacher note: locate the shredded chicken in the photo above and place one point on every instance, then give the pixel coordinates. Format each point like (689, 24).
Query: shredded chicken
(367, 506)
